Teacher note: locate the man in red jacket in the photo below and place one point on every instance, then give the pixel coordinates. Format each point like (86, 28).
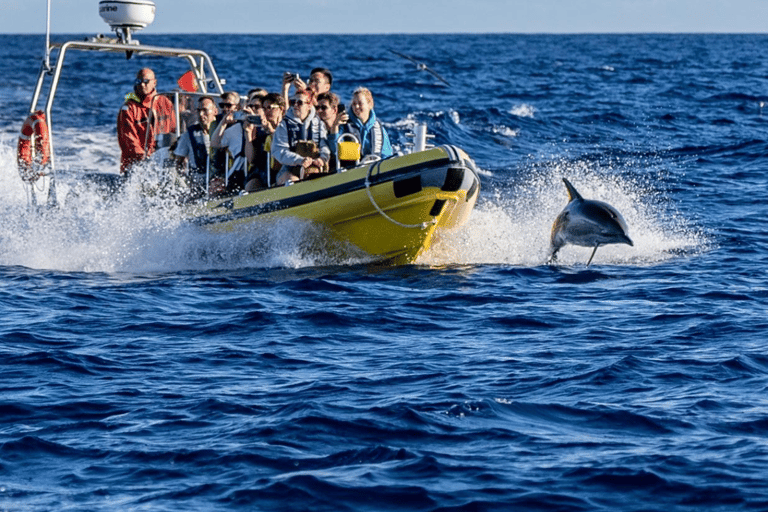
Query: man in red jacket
(144, 115)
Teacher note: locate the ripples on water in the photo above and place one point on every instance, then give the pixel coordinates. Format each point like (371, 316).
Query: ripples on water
(150, 366)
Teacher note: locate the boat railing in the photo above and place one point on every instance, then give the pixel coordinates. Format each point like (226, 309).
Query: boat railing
(200, 64)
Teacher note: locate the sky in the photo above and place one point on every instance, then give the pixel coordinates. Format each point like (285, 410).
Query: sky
(402, 16)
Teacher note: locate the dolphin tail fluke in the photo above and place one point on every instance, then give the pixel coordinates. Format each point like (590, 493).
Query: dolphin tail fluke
(572, 192)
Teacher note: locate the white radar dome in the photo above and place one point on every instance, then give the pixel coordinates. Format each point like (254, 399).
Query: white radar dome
(127, 14)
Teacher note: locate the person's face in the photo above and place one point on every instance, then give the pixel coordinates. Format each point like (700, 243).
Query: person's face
(206, 112)
(325, 111)
(145, 83)
(300, 106)
(318, 83)
(228, 105)
(273, 113)
(361, 107)
(255, 105)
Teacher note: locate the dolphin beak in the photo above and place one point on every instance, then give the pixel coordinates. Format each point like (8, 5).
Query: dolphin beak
(628, 241)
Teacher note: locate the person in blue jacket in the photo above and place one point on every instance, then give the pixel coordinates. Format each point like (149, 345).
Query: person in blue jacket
(373, 137)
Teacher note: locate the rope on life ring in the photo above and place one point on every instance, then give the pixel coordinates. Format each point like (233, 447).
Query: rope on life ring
(33, 151)
(423, 225)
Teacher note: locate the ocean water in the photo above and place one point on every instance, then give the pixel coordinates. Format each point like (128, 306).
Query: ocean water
(149, 366)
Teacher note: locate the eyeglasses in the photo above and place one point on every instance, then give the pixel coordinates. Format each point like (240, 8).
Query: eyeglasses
(324, 107)
(205, 110)
(298, 102)
(140, 81)
(226, 105)
(255, 106)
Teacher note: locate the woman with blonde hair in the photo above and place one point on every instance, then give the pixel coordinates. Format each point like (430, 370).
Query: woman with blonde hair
(373, 137)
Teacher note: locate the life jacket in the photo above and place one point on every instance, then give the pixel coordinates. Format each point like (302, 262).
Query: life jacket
(376, 137)
(296, 131)
(139, 123)
(235, 165)
(238, 161)
(262, 145)
(162, 113)
(197, 139)
(34, 149)
(223, 160)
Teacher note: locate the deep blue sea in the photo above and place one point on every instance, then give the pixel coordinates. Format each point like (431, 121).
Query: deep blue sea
(146, 365)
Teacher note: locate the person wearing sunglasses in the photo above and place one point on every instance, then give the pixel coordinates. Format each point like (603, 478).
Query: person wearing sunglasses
(331, 111)
(335, 117)
(143, 117)
(229, 114)
(228, 139)
(320, 81)
(194, 146)
(254, 104)
(258, 144)
(300, 130)
(254, 112)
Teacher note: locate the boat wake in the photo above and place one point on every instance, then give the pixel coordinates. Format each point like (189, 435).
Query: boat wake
(132, 236)
(139, 231)
(510, 225)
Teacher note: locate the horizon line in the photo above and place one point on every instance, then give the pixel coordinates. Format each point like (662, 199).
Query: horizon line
(337, 34)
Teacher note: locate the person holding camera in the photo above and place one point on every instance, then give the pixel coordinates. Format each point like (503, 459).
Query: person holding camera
(320, 81)
(300, 143)
(258, 143)
(228, 138)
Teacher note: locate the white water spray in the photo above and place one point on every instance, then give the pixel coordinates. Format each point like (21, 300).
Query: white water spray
(137, 230)
(136, 233)
(513, 226)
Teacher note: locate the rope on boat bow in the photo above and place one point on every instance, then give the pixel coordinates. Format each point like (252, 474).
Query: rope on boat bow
(423, 225)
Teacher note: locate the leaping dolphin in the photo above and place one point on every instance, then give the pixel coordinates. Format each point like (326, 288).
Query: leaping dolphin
(587, 223)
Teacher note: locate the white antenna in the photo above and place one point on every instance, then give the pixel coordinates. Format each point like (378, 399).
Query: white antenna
(47, 58)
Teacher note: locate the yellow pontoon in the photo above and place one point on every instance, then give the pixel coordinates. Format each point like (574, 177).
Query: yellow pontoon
(390, 209)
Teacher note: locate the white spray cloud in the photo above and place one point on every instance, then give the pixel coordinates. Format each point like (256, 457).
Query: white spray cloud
(140, 233)
(513, 226)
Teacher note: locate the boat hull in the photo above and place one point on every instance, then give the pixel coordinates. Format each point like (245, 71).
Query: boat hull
(389, 209)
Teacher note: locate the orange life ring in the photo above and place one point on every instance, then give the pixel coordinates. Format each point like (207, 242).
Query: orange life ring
(34, 150)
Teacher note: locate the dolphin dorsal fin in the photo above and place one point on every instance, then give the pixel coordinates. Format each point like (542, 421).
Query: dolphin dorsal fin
(572, 192)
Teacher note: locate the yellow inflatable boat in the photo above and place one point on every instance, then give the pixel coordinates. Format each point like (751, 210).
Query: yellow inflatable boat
(389, 209)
